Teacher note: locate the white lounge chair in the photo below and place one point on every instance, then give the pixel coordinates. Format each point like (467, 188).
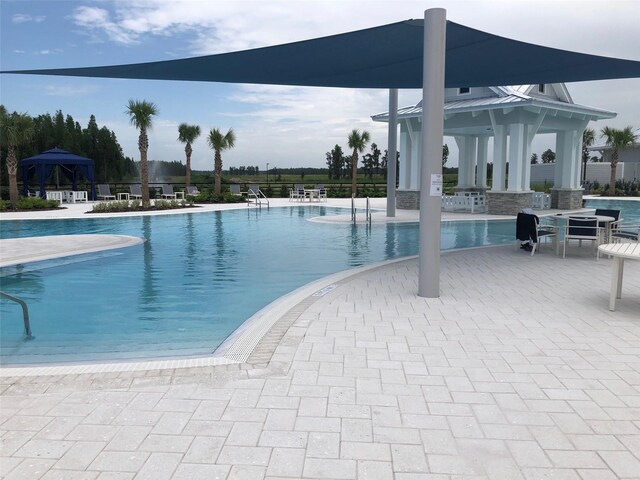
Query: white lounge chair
(168, 193)
(322, 192)
(104, 192)
(192, 191)
(234, 188)
(136, 192)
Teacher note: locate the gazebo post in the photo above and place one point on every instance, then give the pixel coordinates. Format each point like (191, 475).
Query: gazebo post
(435, 25)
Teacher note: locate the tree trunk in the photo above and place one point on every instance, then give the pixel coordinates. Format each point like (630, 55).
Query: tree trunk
(12, 170)
(354, 172)
(612, 178)
(143, 146)
(188, 151)
(217, 167)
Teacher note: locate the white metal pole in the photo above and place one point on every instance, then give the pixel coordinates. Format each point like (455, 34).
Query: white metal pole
(392, 148)
(435, 21)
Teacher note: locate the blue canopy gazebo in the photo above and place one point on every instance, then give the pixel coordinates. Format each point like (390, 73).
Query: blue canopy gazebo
(71, 165)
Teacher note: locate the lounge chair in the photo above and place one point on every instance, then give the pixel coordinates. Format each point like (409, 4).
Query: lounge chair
(582, 228)
(136, 192)
(104, 192)
(191, 191)
(529, 230)
(234, 188)
(168, 193)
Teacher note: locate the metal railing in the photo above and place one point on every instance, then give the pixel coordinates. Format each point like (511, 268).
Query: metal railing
(25, 314)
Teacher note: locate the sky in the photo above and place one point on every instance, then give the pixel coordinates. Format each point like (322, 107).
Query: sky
(279, 125)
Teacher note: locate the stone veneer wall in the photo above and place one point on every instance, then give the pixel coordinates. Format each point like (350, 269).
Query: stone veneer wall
(408, 199)
(508, 203)
(566, 198)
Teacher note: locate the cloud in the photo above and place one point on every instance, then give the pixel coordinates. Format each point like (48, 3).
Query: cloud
(98, 19)
(71, 91)
(24, 18)
(46, 51)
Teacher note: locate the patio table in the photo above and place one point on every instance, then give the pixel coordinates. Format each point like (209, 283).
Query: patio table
(620, 252)
(312, 193)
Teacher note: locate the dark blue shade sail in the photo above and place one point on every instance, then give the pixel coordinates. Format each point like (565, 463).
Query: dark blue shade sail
(388, 56)
(72, 166)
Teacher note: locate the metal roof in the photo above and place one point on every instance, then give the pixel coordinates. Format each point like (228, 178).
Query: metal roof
(508, 97)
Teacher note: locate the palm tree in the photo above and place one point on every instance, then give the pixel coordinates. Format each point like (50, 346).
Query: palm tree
(219, 142)
(358, 141)
(16, 129)
(141, 115)
(588, 137)
(188, 134)
(618, 139)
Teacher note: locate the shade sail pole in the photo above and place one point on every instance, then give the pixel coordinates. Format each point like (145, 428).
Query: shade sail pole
(431, 166)
(392, 149)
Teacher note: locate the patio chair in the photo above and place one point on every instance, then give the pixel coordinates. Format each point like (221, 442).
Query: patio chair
(104, 192)
(136, 192)
(529, 230)
(297, 192)
(322, 192)
(607, 212)
(168, 193)
(192, 191)
(234, 188)
(255, 190)
(582, 228)
(622, 233)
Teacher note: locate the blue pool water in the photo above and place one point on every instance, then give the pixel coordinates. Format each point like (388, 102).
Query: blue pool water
(193, 282)
(196, 278)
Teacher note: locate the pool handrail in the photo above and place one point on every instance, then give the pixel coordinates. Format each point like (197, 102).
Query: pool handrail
(25, 314)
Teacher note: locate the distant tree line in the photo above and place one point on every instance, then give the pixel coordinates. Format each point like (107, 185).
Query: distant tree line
(244, 170)
(93, 141)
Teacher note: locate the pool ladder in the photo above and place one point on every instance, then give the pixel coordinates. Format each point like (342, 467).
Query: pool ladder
(258, 198)
(367, 210)
(25, 314)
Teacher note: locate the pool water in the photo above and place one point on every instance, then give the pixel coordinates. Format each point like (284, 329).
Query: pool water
(192, 283)
(197, 277)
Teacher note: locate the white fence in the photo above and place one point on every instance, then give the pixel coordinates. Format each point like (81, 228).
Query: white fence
(596, 171)
(466, 203)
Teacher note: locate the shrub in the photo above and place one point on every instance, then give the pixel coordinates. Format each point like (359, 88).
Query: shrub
(29, 203)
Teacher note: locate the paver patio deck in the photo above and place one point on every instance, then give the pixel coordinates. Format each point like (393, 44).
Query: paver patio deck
(518, 371)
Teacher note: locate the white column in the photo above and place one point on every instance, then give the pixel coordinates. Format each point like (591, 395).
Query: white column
(392, 147)
(516, 137)
(577, 158)
(481, 174)
(557, 172)
(405, 158)
(526, 170)
(472, 152)
(416, 156)
(463, 164)
(499, 157)
(435, 26)
(568, 164)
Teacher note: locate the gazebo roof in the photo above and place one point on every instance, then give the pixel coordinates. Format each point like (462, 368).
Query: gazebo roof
(56, 156)
(505, 97)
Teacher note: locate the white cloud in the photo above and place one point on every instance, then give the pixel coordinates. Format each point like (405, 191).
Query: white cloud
(98, 19)
(24, 18)
(72, 91)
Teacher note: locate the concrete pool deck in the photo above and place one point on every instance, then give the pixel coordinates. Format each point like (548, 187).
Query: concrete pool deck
(517, 371)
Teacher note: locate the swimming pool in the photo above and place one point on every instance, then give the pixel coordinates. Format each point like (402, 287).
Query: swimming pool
(197, 277)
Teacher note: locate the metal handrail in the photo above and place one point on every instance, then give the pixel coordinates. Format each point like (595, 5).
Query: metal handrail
(25, 314)
(368, 211)
(353, 208)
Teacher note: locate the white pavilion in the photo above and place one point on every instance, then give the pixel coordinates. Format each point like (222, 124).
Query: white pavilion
(510, 117)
